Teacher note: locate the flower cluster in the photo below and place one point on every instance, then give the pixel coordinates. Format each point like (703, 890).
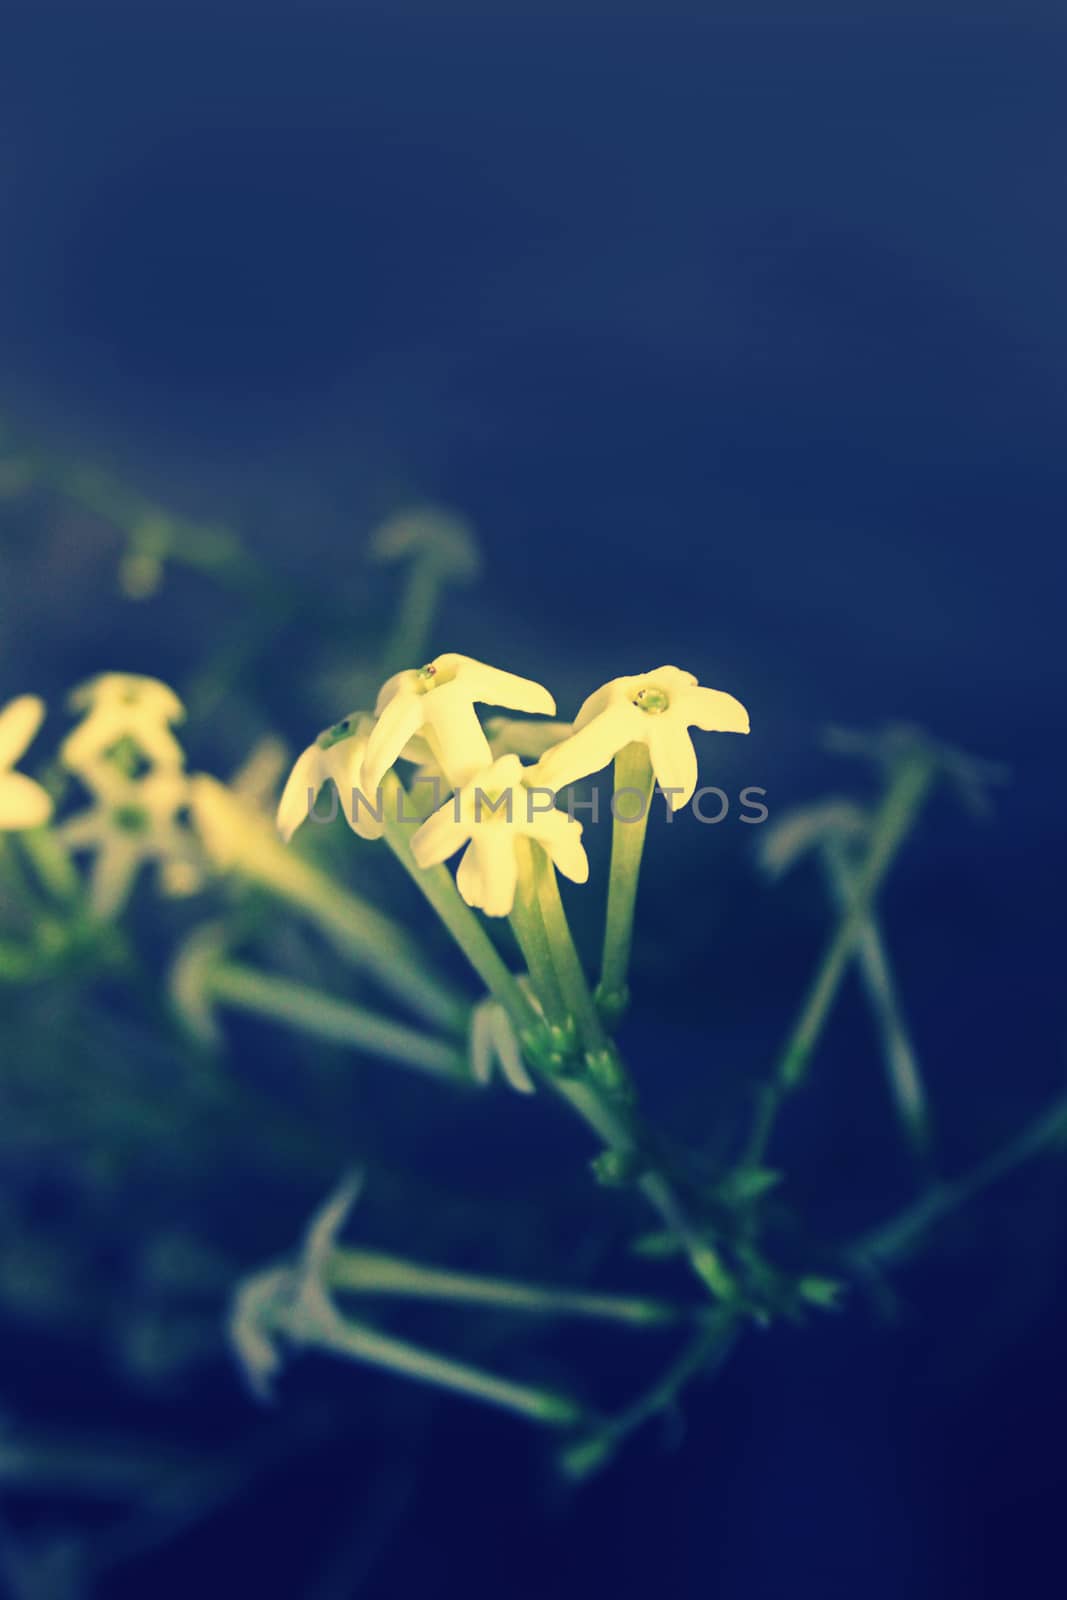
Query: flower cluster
(428, 716)
(124, 753)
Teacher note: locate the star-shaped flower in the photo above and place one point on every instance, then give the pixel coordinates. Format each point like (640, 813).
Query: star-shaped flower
(122, 706)
(489, 815)
(338, 754)
(23, 803)
(656, 709)
(438, 701)
(128, 825)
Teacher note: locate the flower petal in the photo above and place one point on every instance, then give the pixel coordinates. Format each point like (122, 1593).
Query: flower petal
(507, 1050)
(591, 749)
(711, 710)
(488, 873)
(19, 722)
(392, 687)
(23, 803)
(674, 761)
(301, 790)
(461, 745)
(480, 1041)
(402, 717)
(492, 687)
(344, 764)
(561, 837)
(439, 837)
(608, 694)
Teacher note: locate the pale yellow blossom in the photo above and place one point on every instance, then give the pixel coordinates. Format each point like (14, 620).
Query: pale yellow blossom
(490, 815)
(655, 709)
(337, 755)
(438, 701)
(130, 824)
(121, 706)
(23, 802)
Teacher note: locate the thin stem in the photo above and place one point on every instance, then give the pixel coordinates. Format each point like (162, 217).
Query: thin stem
(528, 927)
(616, 1129)
(893, 1239)
(902, 1067)
(565, 958)
(371, 1272)
(338, 1021)
(705, 1352)
(346, 1337)
(52, 863)
(633, 770)
(438, 887)
(409, 637)
(891, 825)
(358, 930)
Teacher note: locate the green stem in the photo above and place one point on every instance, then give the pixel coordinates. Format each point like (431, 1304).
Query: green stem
(617, 1131)
(893, 1239)
(370, 1272)
(633, 770)
(338, 1021)
(362, 1343)
(528, 927)
(902, 1067)
(438, 887)
(705, 1352)
(360, 932)
(52, 863)
(565, 958)
(892, 823)
(409, 637)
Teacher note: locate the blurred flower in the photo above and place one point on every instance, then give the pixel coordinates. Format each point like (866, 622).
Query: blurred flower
(492, 1041)
(290, 1302)
(787, 839)
(119, 707)
(444, 543)
(438, 700)
(129, 824)
(514, 736)
(489, 815)
(897, 743)
(23, 803)
(338, 754)
(655, 709)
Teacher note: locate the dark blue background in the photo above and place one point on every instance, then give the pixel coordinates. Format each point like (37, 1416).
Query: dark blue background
(745, 346)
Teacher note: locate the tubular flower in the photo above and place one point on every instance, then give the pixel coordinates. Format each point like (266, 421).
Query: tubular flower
(338, 754)
(656, 709)
(129, 825)
(493, 1043)
(23, 803)
(122, 706)
(438, 700)
(489, 815)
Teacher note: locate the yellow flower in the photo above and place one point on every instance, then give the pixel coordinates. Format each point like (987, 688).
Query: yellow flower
(438, 700)
(489, 815)
(338, 754)
(129, 824)
(656, 709)
(23, 803)
(120, 706)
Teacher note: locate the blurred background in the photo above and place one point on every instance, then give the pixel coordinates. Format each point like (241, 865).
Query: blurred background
(743, 345)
